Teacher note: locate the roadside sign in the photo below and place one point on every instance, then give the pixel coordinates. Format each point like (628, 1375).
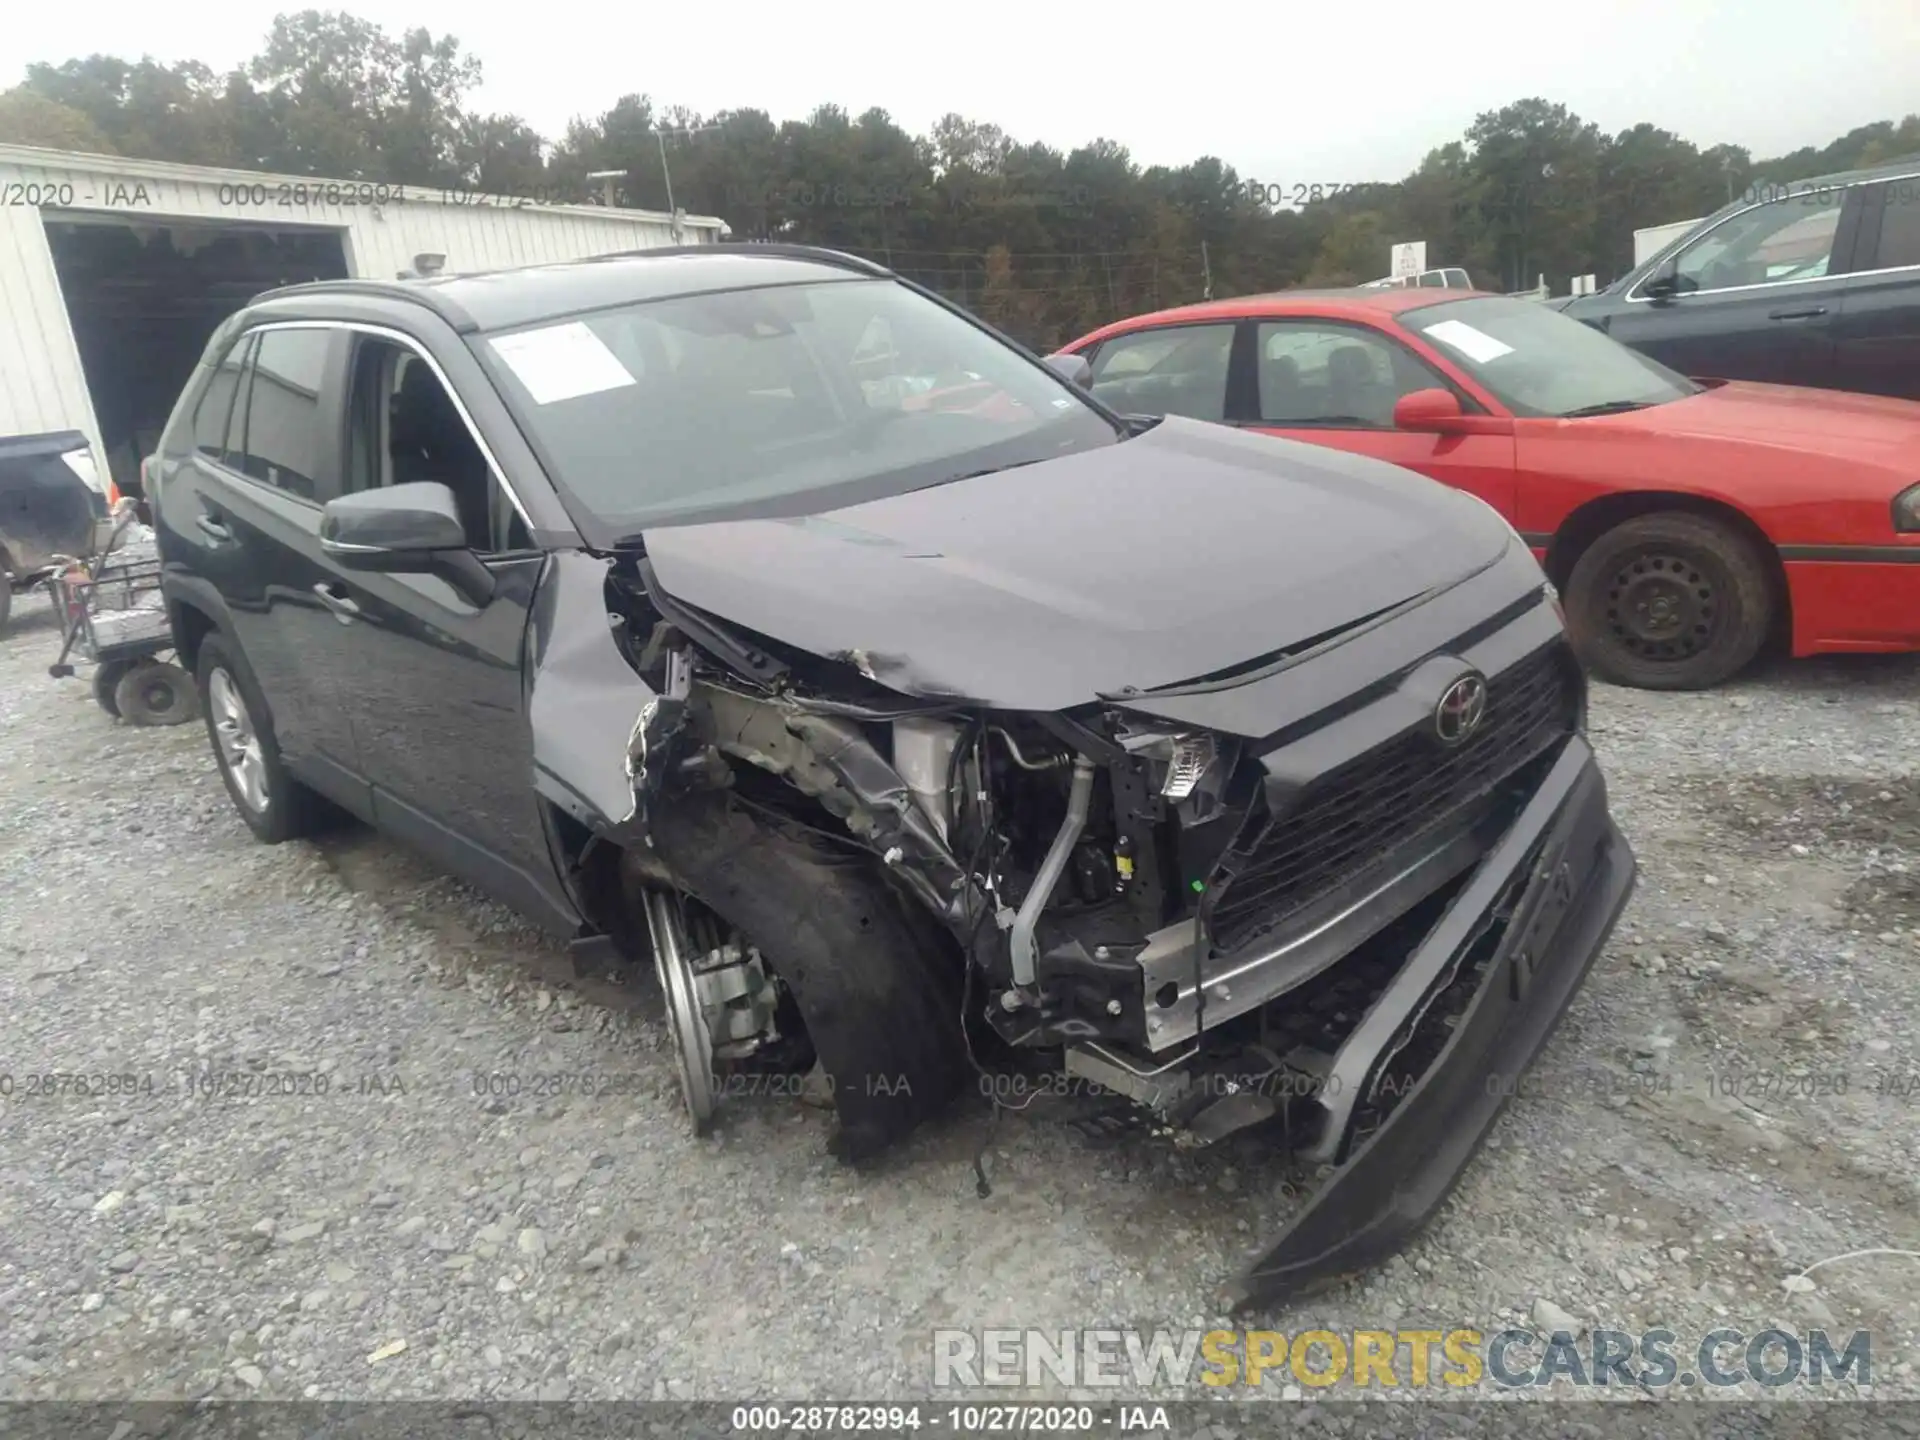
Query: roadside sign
(1409, 258)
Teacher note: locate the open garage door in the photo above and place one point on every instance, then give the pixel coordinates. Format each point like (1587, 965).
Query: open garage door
(143, 298)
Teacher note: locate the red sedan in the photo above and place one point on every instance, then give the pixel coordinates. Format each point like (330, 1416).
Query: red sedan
(1685, 522)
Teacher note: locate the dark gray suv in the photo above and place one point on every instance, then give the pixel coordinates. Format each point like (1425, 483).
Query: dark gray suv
(927, 725)
(1813, 283)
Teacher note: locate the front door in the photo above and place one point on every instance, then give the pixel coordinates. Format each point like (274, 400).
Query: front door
(436, 697)
(1333, 383)
(1757, 295)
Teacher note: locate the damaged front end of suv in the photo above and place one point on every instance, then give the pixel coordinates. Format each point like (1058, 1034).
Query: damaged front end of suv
(916, 713)
(1342, 887)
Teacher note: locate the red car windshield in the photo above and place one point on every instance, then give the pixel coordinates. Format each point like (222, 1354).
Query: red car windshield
(1539, 362)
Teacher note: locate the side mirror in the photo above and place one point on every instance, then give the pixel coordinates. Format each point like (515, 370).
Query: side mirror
(1664, 283)
(1436, 411)
(1074, 369)
(409, 529)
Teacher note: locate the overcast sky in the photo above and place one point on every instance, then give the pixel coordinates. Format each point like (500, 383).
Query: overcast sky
(1285, 93)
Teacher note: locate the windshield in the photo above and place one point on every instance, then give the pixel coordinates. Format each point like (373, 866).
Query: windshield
(1540, 362)
(772, 400)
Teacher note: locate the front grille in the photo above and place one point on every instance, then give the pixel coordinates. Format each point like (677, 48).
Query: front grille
(1352, 816)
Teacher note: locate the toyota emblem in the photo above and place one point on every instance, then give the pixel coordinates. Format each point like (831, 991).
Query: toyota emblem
(1463, 705)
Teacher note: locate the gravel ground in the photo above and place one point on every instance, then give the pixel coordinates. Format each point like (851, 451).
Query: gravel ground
(408, 1234)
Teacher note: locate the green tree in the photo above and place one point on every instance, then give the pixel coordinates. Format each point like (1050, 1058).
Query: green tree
(30, 119)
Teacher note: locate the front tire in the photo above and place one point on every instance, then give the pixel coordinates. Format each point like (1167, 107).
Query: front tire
(275, 806)
(1669, 601)
(877, 989)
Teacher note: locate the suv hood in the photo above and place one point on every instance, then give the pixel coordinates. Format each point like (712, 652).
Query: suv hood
(1187, 550)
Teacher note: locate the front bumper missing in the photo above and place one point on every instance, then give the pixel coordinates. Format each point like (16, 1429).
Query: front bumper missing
(1562, 873)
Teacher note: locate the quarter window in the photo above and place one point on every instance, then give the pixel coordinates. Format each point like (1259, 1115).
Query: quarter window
(278, 436)
(1787, 239)
(1179, 370)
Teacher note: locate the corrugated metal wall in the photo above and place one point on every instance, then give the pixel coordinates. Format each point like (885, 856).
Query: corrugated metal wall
(42, 386)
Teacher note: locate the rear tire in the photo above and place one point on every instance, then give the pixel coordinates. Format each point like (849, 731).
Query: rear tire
(1669, 601)
(278, 807)
(874, 982)
(6, 597)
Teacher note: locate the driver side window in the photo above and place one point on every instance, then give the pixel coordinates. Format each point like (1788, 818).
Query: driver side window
(1785, 239)
(1339, 376)
(404, 427)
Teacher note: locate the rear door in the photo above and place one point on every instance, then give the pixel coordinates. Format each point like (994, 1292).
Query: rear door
(1335, 383)
(1877, 333)
(1758, 293)
(243, 515)
(1166, 370)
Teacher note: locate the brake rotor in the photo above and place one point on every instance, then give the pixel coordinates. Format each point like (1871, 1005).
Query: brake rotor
(692, 1040)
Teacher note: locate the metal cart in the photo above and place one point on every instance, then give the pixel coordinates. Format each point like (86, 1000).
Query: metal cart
(111, 613)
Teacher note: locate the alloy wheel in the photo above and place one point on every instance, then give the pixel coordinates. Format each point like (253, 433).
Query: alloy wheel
(238, 741)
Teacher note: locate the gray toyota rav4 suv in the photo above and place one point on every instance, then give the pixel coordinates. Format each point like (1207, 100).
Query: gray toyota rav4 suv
(928, 726)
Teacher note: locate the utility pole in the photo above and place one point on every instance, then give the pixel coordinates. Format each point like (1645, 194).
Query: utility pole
(1206, 273)
(667, 173)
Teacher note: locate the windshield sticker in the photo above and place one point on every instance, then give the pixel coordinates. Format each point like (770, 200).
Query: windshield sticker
(562, 362)
(1472, 343)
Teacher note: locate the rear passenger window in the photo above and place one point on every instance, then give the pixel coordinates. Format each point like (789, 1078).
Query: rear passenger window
(1899, 226)
(278, 440)
(215, 412)
(1175, 370)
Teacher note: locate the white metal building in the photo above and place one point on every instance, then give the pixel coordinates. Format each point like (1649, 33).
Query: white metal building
(114, 272)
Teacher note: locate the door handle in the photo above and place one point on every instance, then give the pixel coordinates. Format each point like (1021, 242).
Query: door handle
(344, 607)
(213, 529)
(1812, 313)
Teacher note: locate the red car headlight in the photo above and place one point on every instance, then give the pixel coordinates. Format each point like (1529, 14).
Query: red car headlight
(1906, 509)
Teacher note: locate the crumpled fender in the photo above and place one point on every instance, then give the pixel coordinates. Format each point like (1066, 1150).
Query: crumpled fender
(585, 699)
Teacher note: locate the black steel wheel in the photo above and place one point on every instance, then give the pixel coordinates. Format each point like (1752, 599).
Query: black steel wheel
(1669, 601)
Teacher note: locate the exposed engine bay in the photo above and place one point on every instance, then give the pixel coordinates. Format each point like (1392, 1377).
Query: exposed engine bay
(1129, 911)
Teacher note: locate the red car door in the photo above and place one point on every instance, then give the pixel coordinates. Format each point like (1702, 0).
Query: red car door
(1334, 382)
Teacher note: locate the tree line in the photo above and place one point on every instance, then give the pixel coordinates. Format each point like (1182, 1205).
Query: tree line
(1043, 242)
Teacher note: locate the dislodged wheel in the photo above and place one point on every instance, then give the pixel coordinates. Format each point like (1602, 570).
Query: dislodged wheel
(723, 1005)
(156, 693)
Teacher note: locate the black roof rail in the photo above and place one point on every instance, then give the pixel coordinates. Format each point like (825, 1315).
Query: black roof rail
(424, 295)
(817, 253)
